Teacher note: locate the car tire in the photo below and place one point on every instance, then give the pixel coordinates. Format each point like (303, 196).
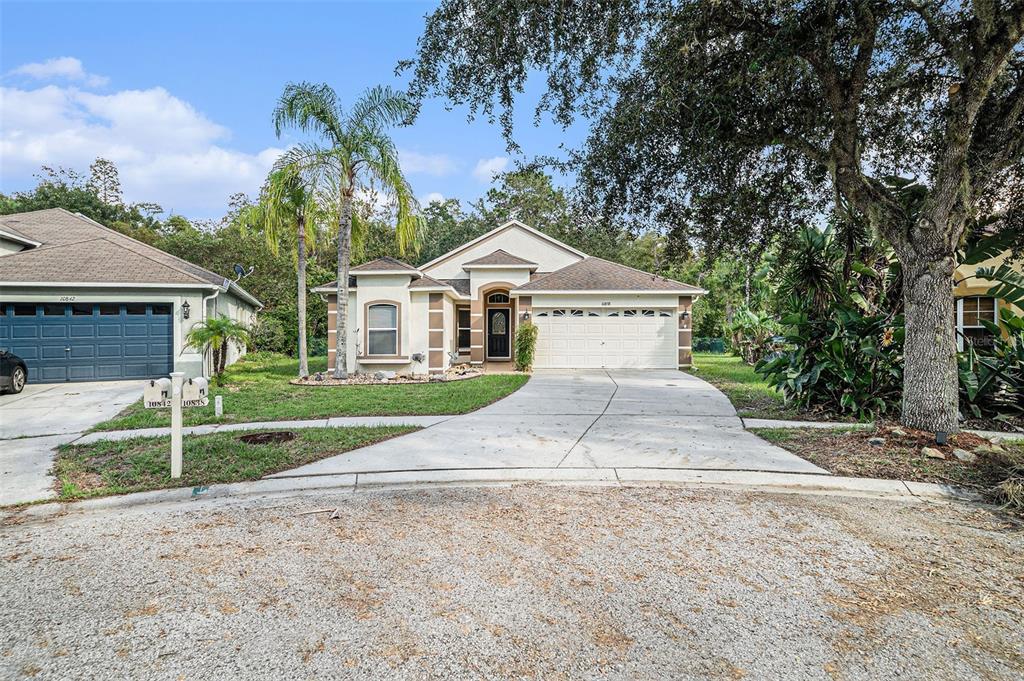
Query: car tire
(17, 380)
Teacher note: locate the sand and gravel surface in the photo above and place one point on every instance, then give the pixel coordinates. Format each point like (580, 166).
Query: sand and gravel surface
(522, 582)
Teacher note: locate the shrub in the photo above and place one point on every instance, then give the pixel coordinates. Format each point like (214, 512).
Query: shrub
(268, 335)
(847, 363)
(318, 347)
(992, 384)
(751, 334)
(526, 346)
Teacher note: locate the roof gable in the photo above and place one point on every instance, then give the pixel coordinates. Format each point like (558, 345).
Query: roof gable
(595, 274)
(514, 238)
(384, 264)
(500, 258)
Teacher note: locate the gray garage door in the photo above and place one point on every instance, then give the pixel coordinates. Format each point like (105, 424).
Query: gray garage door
(89, 341)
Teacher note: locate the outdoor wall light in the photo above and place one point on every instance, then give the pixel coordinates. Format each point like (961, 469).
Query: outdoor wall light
(684, 314)
(526, 316)
(185, 307)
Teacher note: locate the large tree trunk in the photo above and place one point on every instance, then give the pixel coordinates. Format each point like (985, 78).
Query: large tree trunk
(930, 381)
(301, 239)
(344, 256)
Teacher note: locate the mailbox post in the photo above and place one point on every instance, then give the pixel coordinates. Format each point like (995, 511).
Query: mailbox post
(176, 398)
(176, 393)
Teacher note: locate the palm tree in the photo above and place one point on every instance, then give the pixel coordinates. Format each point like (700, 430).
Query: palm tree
(217, 334)
(288, 209)
(355, 153)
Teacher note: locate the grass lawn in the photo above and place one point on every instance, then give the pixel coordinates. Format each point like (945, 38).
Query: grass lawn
(257, 389)
(139, 464)
(847, 452)
(747, 391)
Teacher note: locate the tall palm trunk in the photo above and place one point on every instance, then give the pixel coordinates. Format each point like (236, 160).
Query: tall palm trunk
(301, 248)
(344, 256)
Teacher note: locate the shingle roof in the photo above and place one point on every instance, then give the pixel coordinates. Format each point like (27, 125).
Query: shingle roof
(461, 286)
(77, 249)
(595, 274)
(500, 257)
(386, 263)
(426, 282)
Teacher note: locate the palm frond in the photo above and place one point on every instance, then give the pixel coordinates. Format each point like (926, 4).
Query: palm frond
(380, 106)
(310, 107)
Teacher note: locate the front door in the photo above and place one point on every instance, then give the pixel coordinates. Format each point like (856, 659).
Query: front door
(498, 333)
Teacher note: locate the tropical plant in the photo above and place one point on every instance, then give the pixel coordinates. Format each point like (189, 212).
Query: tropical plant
(288, 211)
(354, 153)
(750, 334)
(217, 334)
(992, 383)
(526, 345)
(847, 362)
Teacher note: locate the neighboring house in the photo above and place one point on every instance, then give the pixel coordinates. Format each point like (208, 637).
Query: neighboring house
(465, 306)
(973, 304)
(82, 302)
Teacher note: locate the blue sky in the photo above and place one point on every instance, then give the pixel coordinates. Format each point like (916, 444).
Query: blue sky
(179, 95)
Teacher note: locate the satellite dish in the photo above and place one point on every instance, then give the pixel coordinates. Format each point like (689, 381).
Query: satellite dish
(240, 271)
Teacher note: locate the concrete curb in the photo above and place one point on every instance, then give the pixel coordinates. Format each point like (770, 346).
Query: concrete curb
(786, 483)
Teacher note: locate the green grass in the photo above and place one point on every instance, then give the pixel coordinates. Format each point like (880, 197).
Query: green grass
(257, 389)
(747, 391)
(139, 464)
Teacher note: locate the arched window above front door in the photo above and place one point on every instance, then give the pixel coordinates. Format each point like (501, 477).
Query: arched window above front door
(498, 298)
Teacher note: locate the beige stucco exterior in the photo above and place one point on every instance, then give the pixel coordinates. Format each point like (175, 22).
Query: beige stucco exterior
(427, 301)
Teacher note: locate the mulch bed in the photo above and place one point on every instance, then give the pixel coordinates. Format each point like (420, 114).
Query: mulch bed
(271, 437)
(325, 379)
(900, 456)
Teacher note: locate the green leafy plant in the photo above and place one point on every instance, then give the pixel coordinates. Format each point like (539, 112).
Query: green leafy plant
(846, 363)
(526, 346)
(216, 335)
(992, 383)
(751, 333)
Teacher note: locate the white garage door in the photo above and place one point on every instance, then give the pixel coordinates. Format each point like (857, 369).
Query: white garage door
(606, 338)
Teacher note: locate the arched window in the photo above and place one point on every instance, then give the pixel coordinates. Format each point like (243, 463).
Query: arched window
(499, 298)
(382, 329)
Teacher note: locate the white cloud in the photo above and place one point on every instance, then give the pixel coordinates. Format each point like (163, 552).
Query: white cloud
(166, 151)
(66, 68)
(426, 164)
(487, 168)
(431, 198)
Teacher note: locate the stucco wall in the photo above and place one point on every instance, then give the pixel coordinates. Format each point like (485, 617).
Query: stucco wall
(518, 242)
(605, 300)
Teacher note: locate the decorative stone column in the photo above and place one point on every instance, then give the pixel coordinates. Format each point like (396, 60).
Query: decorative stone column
(332, 330)
(685, 334)
(435, 334)
(476, 330)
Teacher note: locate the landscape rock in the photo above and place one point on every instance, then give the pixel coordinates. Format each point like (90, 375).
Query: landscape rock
(964, 455)
(876, 441)
(932, 453)
(385, 375)
(438, 378)
(989, 449)
(898, 432)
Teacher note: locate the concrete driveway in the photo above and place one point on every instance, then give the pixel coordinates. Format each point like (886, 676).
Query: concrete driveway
(43, 416)
(583, 419)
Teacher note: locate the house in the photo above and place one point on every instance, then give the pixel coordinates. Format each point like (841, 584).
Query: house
(465, 306)
(973, 304)
(82, 302)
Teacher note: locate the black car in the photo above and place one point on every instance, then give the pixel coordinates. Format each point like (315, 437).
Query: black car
(13, 372)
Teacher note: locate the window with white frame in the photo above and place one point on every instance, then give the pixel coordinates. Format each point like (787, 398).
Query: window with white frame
(382, 329)
(971, 313)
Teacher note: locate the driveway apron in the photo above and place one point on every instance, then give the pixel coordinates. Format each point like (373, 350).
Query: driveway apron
(583, 419)
(43, 416)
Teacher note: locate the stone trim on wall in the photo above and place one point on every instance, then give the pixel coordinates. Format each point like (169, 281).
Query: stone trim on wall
(435, 333)
(685, 341)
